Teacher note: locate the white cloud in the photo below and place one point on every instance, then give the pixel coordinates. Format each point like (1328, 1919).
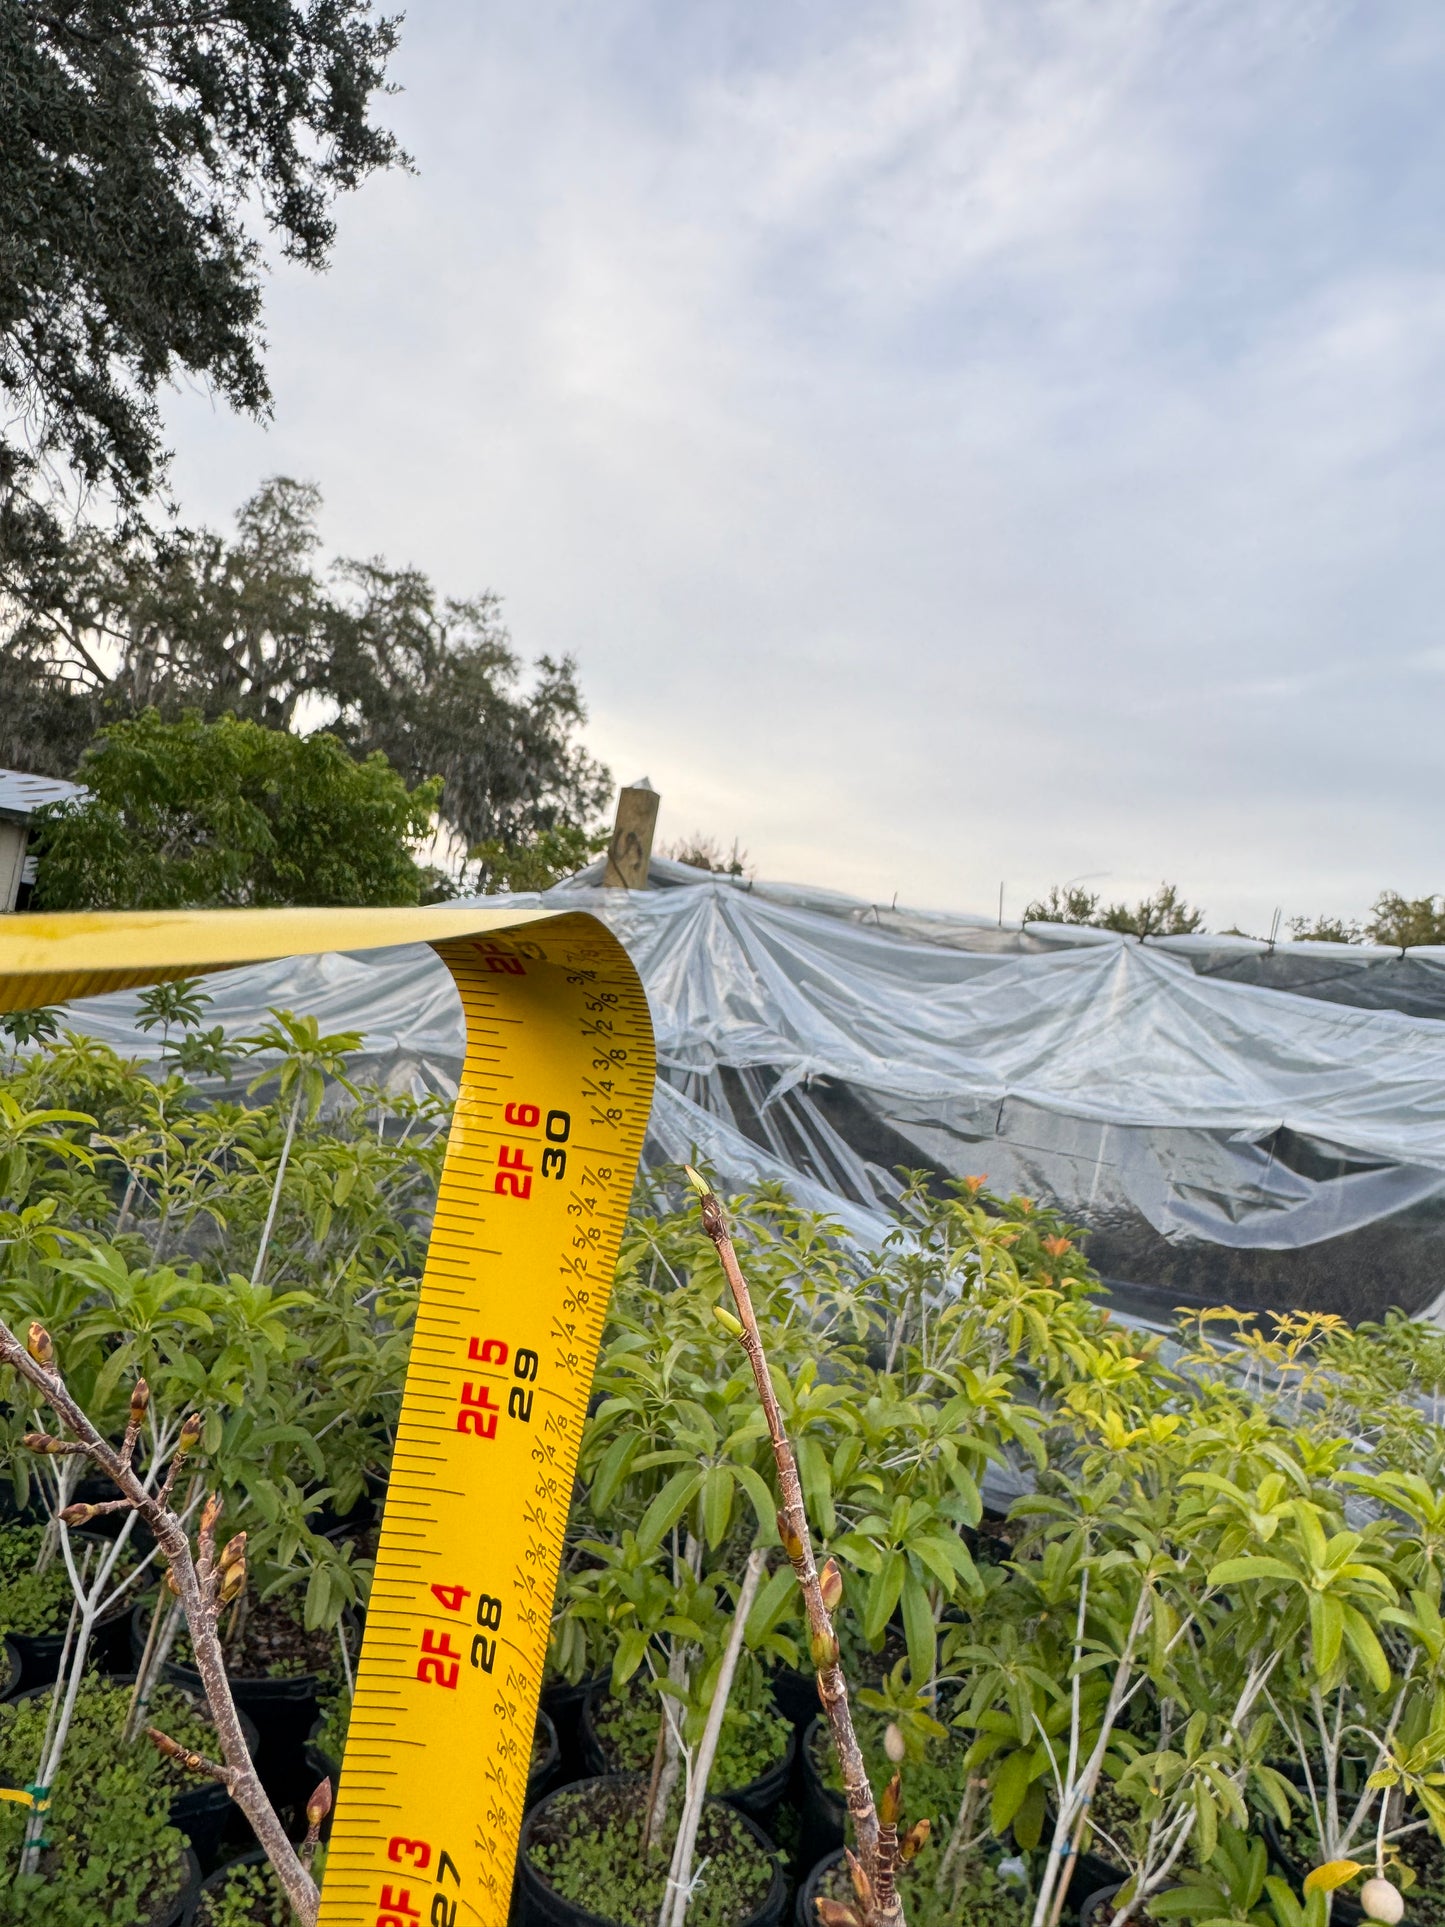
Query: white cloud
(957, 440)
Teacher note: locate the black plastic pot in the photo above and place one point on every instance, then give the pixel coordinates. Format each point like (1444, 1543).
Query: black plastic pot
(109, 1646)
(281, 1708)
(542, 1777)
(179, 1911)
(215, 1883)
(203, 1810)
(1092, 1872)
(805, 1911)
(39, 1653)
(759, 1799)
(1094, 1907)
(796, 1695)
(562, 1703)
(822, 1813)
(540, 1906)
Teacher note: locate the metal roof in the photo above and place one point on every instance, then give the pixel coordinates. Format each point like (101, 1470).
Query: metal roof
(21, 794)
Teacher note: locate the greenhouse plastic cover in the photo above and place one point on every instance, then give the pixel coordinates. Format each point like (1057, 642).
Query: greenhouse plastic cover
(1219, 1139)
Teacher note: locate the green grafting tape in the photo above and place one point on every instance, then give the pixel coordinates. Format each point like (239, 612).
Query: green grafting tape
(40, 1803)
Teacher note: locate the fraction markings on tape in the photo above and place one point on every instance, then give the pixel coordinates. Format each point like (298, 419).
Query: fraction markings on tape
(544, 1146)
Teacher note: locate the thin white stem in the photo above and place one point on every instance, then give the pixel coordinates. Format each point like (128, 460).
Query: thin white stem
(260, 1265)
(679, 1879)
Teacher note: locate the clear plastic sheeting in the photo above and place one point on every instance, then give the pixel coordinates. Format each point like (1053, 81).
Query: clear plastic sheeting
(1219, 1140)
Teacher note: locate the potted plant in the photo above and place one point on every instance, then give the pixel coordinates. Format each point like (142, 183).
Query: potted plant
(110, 1851)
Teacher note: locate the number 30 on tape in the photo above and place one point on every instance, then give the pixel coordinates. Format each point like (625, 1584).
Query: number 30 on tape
(551, 1110)
(544, 1147)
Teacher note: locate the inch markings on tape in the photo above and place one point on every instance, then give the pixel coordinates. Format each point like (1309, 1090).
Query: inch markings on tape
(544, 1146)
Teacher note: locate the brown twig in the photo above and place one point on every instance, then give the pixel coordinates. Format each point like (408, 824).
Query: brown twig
(878, 1848)
(36, 1364)
(183, 1756)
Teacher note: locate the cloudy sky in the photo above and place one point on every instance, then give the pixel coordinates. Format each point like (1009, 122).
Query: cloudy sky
(995, 441)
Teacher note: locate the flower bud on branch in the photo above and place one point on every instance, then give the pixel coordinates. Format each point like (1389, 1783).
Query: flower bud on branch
(41, 1346)
(830, 1584)
(189, 1437)
(890, 1807)
(192, 1762)
(836, 1913)
(915, 1838)
(317, 1808)
(49, 1447)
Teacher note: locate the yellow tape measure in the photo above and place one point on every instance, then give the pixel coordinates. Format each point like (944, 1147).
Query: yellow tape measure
(552, 1107)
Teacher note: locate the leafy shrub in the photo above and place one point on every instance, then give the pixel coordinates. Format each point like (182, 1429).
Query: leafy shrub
(112, 1851)
(178, 814)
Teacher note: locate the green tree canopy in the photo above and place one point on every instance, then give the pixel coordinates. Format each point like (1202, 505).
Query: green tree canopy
(1164, 914)
(144, 153)
(190, 813)
(262, 628)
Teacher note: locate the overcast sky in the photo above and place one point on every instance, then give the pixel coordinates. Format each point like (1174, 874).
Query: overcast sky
(991, 441)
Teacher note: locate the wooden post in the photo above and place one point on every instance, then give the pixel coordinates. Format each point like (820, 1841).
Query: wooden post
(630, 851)
(13, 838)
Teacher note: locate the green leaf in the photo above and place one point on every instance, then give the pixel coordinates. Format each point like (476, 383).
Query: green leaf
(1208, 1829)
(1287, 1910)
(613, 1469)
(1361, 1640)
(775, 1595)
(1010, 1784)
(1029, 1820)
(666, 1509)
(966, 1487)
(628, 1657)
(883, 1593)
(817, 1478)
(1230, 1572)
(1327, 1630)
(763, 1503)
(717, 1504)
(918, 1630)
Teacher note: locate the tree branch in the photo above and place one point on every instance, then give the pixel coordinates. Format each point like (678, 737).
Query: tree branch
(201, 1612)
(876, 1854)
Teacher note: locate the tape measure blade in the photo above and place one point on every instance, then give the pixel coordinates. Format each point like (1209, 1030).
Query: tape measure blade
(545, 1142)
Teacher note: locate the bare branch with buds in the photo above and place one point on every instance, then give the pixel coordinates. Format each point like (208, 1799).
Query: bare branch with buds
(203, 1582)
(879, 1850)
(192, 1762)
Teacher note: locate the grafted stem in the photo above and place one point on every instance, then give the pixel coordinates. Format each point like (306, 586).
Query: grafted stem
(878, 1847)
(200, 1602)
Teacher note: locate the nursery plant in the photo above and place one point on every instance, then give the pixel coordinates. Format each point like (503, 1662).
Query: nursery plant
(233, 1283)
(1214, 1601)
